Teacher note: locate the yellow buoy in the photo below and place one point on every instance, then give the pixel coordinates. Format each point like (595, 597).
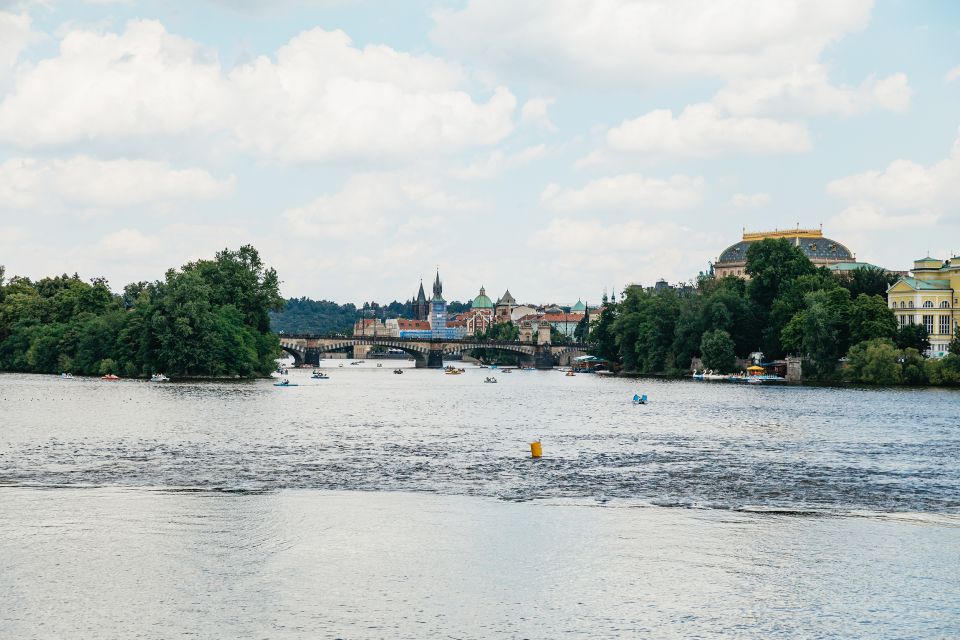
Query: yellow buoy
(535, 449)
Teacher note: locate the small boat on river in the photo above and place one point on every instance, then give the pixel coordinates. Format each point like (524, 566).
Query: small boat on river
(66, 376)
(110, 377)
(398, 371)
(319, 375)
(285, 383)
(159, 377)
(490, 380)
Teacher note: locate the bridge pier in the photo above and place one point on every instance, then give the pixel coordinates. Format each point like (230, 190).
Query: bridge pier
(543, 358)
(434, 359)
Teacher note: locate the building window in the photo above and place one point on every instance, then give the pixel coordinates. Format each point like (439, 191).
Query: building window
(945, 304)
(945, 325)
(928, 323)
(902, 304)
(911, 304)
(928, 305)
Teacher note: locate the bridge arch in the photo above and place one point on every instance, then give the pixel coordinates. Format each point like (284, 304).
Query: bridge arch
(298, 355)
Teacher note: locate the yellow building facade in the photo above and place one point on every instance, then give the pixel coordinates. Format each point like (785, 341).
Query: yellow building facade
(929, 297)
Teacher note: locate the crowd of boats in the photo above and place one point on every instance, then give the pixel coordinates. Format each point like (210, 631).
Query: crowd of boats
(753, 375)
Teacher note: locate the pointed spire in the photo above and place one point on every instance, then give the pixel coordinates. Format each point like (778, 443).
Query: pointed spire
(421, 296)
(437, 287)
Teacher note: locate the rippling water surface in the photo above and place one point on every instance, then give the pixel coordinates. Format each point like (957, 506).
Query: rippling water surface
(246, 510)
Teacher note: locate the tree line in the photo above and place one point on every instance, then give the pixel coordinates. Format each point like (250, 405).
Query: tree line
(788, 306)
(304, 315)
(209, 318)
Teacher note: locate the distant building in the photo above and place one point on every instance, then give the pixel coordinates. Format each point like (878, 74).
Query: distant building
(421, 309)
(821, 251)
(482, 301)
(504, 307)
(370, 327)
(929, 296)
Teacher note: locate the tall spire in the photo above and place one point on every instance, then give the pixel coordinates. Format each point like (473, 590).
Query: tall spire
(421, 296)
(437, 288)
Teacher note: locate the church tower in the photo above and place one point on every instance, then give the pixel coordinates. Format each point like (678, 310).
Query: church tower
(438, 310)
(421, 309)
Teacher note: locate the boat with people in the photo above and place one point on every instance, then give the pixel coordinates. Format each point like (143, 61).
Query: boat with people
(490, 380)
(398, 371)
(638, 399)
(110, 377)
(319, 375)
(66, 376)
(285, 383)
(159, 377)
(570, 373)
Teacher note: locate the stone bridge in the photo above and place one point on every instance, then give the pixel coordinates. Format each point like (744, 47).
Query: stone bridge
(308, 349)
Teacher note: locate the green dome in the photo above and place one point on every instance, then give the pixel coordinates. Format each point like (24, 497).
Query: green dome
(482, 301)
(579, 307)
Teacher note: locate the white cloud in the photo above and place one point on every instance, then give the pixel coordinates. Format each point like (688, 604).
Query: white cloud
(630, 191)
(863, 216)
(320, 99)
(808, 91)
(81, 181)
(590, 250)
(750, 200)
(129, 242)
(952, 75)
(370, 204)
(495, 162)
(702, 130)
(15, 34)
(637, 42)
(534, 112)
(904, 193)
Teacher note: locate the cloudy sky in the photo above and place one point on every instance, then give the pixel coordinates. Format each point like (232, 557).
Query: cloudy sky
(555, 148)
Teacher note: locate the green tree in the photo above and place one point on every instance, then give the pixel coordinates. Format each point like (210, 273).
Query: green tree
(826, 328)
(874, 362)
(867, 280)
(603, 338)
(913, 336)
(912, 363)
(772, 264)
(943, 371)
(954, 346)
(717, 348)
(871, 318)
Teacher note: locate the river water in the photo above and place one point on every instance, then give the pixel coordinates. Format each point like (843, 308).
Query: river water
(382, 505)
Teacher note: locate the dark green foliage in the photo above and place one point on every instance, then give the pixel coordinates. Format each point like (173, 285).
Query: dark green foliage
(871, 318)
(772, 264)
(209, 319)
(716, 348)
(913, 336)
(954, 346)
(303, 315)
(826, 328)
(603, 339)
(874, 362)
(943, 371)
(871, 281)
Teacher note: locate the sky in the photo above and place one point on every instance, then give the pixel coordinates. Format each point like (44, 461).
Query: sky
(557, 149)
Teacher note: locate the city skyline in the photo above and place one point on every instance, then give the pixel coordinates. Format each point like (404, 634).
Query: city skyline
(558, 150)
